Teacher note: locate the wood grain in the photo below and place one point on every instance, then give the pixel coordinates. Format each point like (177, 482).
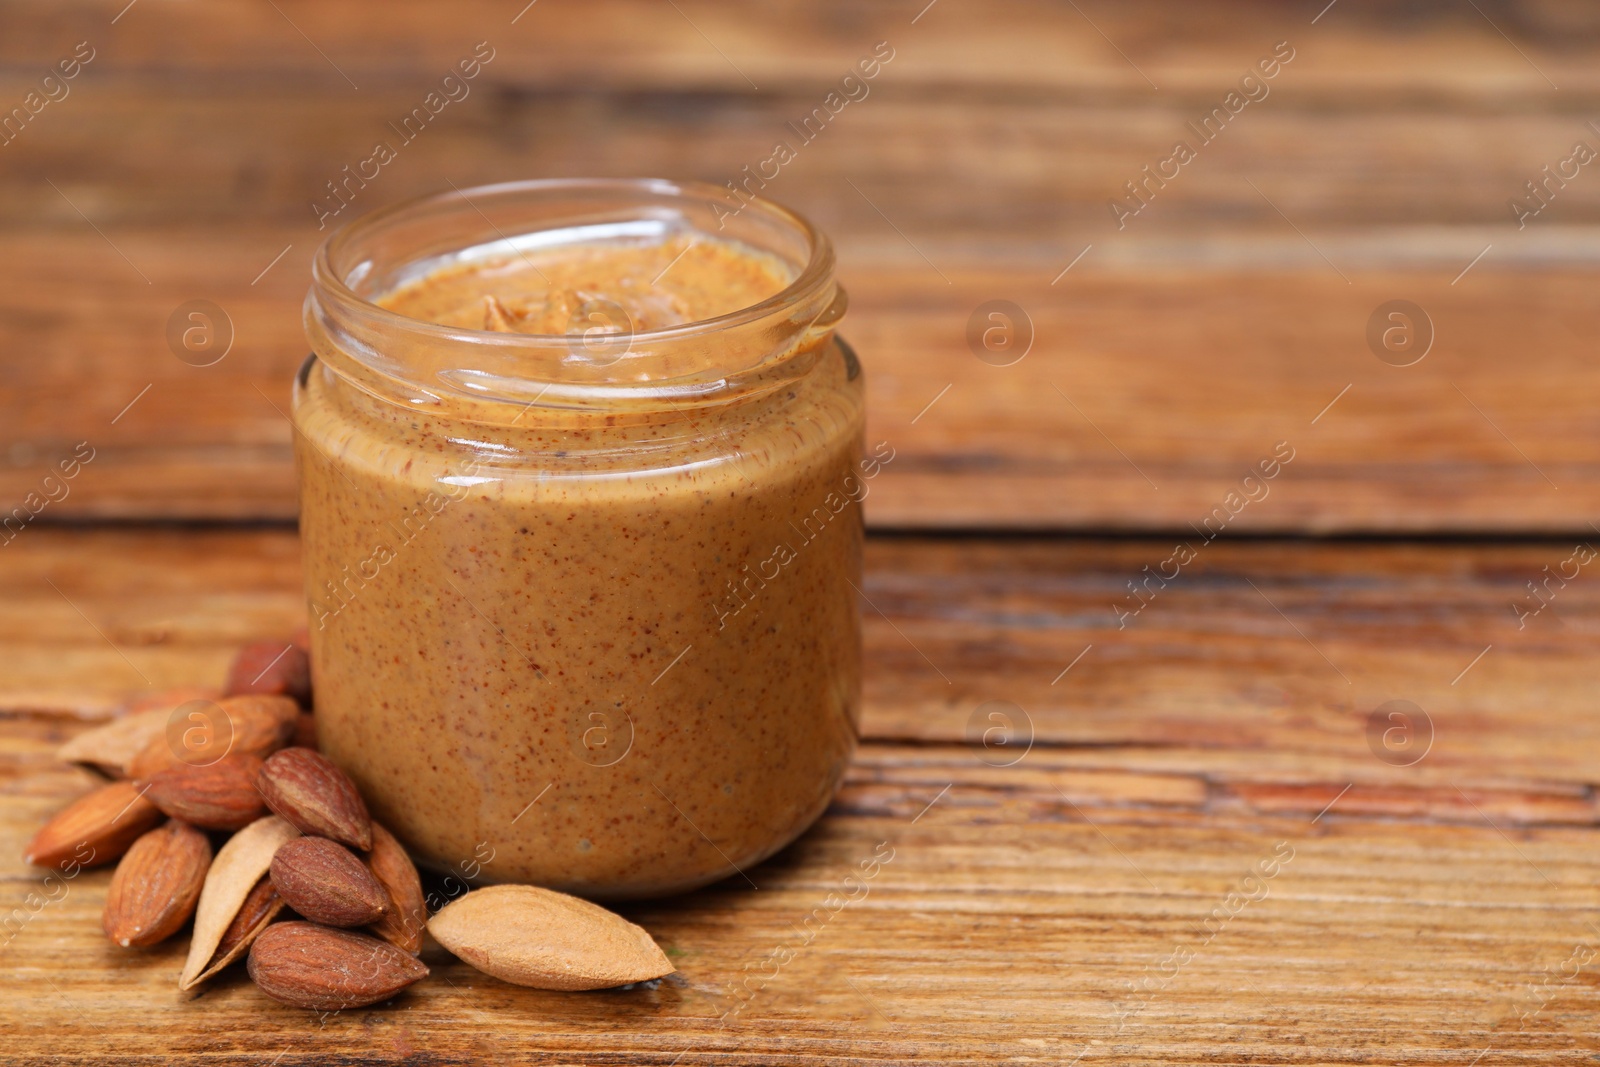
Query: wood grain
(1044, 909)
(1223, 318)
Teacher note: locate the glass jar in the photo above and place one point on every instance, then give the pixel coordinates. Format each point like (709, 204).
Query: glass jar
(583, 606)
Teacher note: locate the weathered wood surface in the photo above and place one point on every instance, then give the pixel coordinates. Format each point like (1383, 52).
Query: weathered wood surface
(1223, 318)
(1031, 912)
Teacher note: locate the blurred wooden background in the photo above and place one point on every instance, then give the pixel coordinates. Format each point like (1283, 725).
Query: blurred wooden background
(1172, 356)
(1439, 909)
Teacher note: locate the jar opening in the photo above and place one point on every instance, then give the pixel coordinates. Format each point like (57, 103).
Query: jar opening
(623, 360)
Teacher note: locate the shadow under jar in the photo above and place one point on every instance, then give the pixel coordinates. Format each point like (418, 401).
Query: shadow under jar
(581, 570)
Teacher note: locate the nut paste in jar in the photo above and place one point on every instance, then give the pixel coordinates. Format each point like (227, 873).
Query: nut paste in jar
(581, 480)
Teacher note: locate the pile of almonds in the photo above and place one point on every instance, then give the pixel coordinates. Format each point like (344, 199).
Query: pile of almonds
(302, 842)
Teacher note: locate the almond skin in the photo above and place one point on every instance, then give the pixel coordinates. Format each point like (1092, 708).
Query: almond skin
(325, 882)
(155, 887)
(112, 747)
(219, 796)
(547, 940)
(306, 789)
(260, 907)
(278, 667)
(203, 732)
(241, 863)
(94, 829)
(403, 923)
(310, 966)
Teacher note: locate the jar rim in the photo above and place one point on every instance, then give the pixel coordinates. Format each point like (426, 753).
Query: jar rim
(330, 283)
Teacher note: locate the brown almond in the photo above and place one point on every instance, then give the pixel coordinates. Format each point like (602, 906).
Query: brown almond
(306, 788)
(305, 731)
(325, 882)
(94, 829)
(203, 732)
(548, 940)
(260, 907)
(112, 747)
(403, 923)
(155, 887)
(218, 796)
(310, 966)
(280, 667)
(234, 874)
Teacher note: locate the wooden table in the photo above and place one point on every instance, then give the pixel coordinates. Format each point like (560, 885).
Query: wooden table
(1207, 841)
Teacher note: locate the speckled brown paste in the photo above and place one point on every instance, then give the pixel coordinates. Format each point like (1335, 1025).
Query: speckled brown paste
(620, 656)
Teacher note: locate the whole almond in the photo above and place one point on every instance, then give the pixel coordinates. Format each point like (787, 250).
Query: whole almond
(234, 874)
(403, 923)
(306, 788)
(260, 907)
(203, 732)
(310, 966)
(154, 888)
(305, 731)
(94, 829)
(218, 796)
(280, 667)
(548, 940)
(325, 882)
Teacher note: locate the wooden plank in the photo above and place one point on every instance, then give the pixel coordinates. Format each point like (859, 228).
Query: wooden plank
(1102, 896)
(1260, 661)
(1110, 422)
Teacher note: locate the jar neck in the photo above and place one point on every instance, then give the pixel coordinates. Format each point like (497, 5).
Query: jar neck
(479, 378)
(592, 378)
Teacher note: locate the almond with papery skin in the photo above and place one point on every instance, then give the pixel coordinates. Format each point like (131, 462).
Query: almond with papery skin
(155, 887)
(310, 966)
(548, 940)
(306, 788)
(403, 923)
(236, 871)
(280, 667)
(325, 882)
(202, 732)
(260, 907)
(219, 796)
(94, 829)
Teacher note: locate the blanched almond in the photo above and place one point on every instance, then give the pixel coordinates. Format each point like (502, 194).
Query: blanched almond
(112, 747)
(547, 940)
